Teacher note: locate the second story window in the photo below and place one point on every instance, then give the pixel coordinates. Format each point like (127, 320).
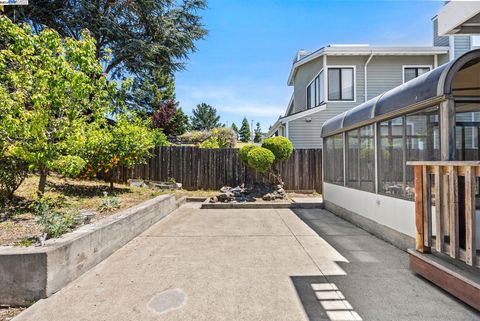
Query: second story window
(412, 72)
(315, 95)
(341, 84)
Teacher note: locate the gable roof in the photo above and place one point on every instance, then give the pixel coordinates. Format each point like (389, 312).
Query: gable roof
(365, 50)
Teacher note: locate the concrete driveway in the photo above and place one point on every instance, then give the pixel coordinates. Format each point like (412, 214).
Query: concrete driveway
(251, 265)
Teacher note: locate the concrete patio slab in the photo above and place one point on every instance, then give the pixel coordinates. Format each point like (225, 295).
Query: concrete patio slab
(251, 265)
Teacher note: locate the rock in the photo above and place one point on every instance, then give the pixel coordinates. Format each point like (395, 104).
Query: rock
(225, 197)
(136, 182)
(213, 199)
(225, 189)
(281, 191)
(268, 197)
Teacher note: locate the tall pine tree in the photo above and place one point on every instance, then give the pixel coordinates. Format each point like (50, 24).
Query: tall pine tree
(205, 117)
(258, 134)
(245, 131)
(235, 129)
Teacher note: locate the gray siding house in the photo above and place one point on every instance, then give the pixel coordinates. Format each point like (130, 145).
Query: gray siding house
(336, 78)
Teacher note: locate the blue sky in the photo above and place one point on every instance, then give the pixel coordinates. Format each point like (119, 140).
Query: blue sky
(241, 67)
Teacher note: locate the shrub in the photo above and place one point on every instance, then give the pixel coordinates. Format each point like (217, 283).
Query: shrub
(12, 173)
(243, 152)
(280, 146)
(54, 224)
(226, 137)
(260, 159)
(210, 143)
(109, 203)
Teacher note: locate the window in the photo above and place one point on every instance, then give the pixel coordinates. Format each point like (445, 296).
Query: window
(361, 158)
(334, 159)
(406, 138)
(410, 73)
(340, 84)
(467, 130)
(315, 95)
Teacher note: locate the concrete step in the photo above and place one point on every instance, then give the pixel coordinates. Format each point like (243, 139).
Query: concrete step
(453, 276)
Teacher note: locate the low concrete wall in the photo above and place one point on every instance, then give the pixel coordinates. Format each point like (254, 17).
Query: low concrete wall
(396, 238)
(28, 274)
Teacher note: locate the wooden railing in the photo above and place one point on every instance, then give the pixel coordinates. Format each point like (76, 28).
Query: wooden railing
(453, 199)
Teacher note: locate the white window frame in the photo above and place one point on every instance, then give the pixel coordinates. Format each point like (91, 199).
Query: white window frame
(306, 91)
(413, 66)
(354, 83)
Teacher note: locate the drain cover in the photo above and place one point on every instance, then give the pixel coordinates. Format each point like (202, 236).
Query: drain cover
(167, 301)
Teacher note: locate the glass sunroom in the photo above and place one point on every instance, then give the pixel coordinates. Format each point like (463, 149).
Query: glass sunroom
(370, 152)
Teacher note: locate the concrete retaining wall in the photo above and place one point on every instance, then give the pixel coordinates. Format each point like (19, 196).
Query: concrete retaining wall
(28, 274)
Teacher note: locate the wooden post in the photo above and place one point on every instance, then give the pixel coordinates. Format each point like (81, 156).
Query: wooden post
(439, 213)
(453, 211)
(470, 224)
(419, 210)
(427, 208)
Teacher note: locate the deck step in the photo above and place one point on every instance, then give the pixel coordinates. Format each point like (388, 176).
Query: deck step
(453, 276)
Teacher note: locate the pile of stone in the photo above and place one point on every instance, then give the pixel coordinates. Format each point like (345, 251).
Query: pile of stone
(249, 193)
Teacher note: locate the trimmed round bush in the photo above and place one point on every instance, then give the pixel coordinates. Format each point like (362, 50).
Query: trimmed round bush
(280, 146)
(260, 159)
(243, 152)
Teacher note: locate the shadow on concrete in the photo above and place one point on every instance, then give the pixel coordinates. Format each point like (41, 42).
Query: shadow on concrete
(377, 284)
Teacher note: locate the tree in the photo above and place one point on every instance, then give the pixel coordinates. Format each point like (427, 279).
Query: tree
(164, 115)
(178, 125)
(258, 134)
(245, 131)
(52, 92)
(147, 40)
(235, 129)
(205, 117)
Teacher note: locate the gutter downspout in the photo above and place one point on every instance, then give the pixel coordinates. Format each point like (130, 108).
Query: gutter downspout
(365, 74)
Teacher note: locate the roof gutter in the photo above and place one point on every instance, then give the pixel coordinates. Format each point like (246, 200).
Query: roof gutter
(365, 75)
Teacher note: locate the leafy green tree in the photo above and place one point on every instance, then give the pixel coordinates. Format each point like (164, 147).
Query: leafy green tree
(52, 91)
(147, 40)
(245, 131)
(179, 124)
(235, 129)
(205, 117)
(258, 134)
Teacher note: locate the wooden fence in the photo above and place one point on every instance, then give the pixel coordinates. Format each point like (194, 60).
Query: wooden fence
(198, 168)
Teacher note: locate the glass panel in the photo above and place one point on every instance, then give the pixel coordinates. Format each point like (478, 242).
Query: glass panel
(467, 130)
(320, 85)
(317, 95)
(334, 159)
(367, 159)
(353, 158)
(410, 73)
(347, 84)
(422, 142)
(422, 71)
(390, 157)
(333, 84)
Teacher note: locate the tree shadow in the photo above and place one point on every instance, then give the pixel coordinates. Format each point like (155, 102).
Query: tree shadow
(83, 191)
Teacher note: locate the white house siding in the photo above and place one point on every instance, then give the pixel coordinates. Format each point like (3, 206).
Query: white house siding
(461, 45)
(305, 134)
(385, 72)
(439, 41)
(303, 77)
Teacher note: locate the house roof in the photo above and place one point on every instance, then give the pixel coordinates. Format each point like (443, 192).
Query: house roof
(427, 87)
(364, 50)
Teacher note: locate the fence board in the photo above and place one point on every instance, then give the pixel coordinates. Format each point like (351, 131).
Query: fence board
(198, 168)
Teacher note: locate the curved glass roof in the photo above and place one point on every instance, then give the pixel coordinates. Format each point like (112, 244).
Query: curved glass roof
(435, 83)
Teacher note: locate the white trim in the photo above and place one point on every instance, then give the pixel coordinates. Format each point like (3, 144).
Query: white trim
(451, 49)
(286, 130)
(290, 102)
(365, 76)
(413, 66)
(435, 61)
(304, 113)
(366, 51)
(354, 83)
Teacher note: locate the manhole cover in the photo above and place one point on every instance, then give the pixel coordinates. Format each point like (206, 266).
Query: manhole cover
(167, 301)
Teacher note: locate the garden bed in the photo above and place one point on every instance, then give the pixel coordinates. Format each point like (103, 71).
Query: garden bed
(19, 225)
